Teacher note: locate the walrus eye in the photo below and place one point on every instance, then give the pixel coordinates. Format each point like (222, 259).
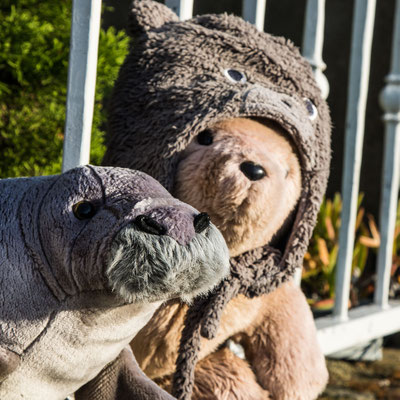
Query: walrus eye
(311, 109)
(235, 76)
(83, 210)
(205, 137)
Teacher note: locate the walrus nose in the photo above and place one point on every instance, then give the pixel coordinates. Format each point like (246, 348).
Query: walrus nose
(252, 171)
(201, 221)
(149, 225)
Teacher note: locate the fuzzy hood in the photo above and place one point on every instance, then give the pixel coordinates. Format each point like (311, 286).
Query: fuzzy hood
(181, 77)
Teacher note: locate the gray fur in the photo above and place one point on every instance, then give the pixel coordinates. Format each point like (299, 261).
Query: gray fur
(60, 323)
(145, 267)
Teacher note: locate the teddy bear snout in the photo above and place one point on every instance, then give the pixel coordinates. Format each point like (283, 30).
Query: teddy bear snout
(252, 171)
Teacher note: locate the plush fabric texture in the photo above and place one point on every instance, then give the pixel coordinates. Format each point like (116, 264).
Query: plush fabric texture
(215, 379)
(123, 380)
(64, 311)
(177, 81)
(248, 207)
(248, 213)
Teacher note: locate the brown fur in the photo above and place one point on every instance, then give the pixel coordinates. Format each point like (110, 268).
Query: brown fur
(248, 213)
(234, 379)
(222, 376)
(276, 330)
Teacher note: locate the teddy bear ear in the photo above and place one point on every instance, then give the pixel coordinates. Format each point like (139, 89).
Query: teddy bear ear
(147, 14)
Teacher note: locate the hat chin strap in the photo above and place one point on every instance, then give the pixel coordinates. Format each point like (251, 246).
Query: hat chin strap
(249, 275)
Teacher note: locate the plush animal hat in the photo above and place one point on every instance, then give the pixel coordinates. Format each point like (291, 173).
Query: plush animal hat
(180, 78)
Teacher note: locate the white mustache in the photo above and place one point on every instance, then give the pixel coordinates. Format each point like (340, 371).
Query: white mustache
(145, 267)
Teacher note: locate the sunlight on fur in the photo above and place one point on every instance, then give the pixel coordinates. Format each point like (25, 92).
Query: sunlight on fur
(248, 213)
(146, 267)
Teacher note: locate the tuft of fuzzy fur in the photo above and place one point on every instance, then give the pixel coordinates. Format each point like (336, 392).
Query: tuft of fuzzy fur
(146, 267)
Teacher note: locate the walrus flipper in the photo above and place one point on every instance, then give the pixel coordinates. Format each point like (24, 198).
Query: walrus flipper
(8, 362)
(122, 379)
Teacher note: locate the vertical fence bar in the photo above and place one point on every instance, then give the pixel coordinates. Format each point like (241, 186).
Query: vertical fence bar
(313, 41)
(390, 102)
(253, 11)
(183, 8)
(363, 24)
(81, 82)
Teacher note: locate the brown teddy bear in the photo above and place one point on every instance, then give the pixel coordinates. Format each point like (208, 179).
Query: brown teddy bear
(231, 121)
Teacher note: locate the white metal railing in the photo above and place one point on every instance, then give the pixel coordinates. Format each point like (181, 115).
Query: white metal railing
(254, 12)
(390, 101)
(82, 69)
(363, 25)
(343, 328)
(183, 8)
(313, 41)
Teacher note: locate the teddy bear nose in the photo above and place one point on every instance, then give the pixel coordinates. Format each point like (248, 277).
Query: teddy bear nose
(252, 171)
(149, 225)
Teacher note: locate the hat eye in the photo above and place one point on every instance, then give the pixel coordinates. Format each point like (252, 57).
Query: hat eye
(235, 76)
(84, 210)
(311, 109)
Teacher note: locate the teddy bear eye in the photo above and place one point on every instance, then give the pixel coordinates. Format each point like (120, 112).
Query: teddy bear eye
(84, 210)
(311, 109)
(205, 137)
(235, 76)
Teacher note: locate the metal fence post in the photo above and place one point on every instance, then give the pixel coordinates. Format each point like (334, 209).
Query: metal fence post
(313, 41)
(85, 29)
(253, 11)
(183, 8)
(363, 24)
(390, 101)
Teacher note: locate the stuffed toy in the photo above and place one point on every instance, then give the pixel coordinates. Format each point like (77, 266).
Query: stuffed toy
(230, 120)
(86, 258)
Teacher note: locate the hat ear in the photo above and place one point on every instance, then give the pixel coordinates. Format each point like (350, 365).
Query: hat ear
(147, 14)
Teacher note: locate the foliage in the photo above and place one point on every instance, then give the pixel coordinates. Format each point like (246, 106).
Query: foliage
(395, 273)
(396, 244)
(34, 50)
(320, 260)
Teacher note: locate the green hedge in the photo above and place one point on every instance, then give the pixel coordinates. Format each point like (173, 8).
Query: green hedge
(34, 50)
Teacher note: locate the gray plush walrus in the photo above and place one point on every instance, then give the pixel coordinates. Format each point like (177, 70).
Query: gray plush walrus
(86, 257)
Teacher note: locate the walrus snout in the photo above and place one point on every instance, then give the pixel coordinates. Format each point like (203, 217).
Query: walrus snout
(151, 225)
(168, 252)
(201, 222)
(169, 217)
